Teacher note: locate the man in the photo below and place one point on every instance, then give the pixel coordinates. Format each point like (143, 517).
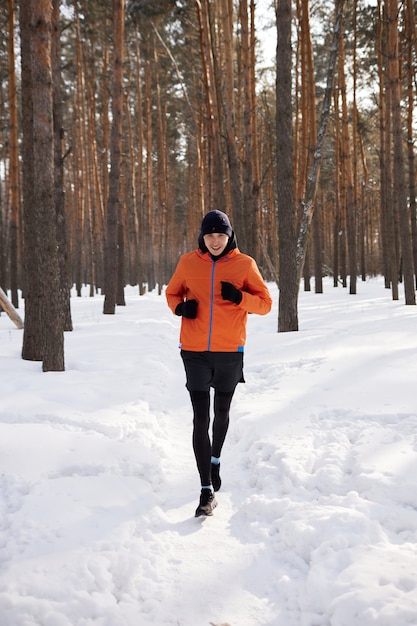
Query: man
(213, 289)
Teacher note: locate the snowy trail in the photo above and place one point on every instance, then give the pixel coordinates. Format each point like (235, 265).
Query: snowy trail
(317, 517)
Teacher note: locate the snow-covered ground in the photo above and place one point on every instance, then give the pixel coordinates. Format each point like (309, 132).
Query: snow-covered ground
(316, 523)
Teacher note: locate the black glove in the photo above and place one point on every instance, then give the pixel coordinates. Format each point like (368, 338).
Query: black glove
(230, 292)
(187, 309)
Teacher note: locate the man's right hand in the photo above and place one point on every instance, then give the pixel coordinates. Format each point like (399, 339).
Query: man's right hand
(187, 309)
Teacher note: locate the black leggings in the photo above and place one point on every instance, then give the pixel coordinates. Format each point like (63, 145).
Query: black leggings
(203, 449)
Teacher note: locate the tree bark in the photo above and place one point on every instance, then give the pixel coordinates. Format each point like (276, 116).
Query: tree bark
(288, 278)
(113, 208)
(411, 35)
(61, 221)
(217, 196)
(14, 158)
(397, 136)
(308, 205)
(43, 336)
(347, 173)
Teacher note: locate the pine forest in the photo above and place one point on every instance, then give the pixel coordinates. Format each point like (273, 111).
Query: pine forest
(122, 122)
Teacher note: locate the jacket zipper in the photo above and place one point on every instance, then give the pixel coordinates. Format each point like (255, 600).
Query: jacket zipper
(213, 263)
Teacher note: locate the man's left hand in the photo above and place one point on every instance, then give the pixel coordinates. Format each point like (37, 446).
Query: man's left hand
(231, 293)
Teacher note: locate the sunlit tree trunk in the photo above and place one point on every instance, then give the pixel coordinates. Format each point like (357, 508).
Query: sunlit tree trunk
(217, 198)
(228, 102)
(313, 176)
(250, 187)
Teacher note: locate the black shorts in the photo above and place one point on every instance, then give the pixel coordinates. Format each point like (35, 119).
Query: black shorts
(221, 370)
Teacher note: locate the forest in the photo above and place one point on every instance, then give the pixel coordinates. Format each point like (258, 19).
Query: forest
(122, 122)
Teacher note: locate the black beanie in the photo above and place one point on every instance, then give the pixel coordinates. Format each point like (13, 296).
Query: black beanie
(216, 222)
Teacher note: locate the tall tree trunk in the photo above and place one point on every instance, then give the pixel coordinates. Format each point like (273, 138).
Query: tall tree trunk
(411, 36)
(288, 278)
(113, 207)
(390, 265)
(139, 207)
(347, 173)
(308, 206)
(14, 159)
(337, 217)
(148, 216)
(32, 338)
(340, 233)
(61, 222)
(48, 322)
(318, 274)
(308, 139)
(160, 237)
(228, 101)
(249, 186)
(399, 166)
(217, 193)
(357, 208)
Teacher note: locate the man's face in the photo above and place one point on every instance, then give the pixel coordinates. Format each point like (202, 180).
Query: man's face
(216, 243)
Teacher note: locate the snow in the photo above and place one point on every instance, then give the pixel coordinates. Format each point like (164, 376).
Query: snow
(316, 523)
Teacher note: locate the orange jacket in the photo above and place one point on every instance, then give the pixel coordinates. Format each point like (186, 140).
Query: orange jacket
(220, 325)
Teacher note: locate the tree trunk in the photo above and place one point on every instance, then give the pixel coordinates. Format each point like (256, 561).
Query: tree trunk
(44, 332)
(227, 85)
(14, 159)
(411, 38)
(32, 338)
(113, 207)
(148, 205)
(308, 205)
(386, 214)
(399, 166)
(288, 278)
(217, 194)
(347, 174)
(61, 222)
(249, 185)
(318, 278)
